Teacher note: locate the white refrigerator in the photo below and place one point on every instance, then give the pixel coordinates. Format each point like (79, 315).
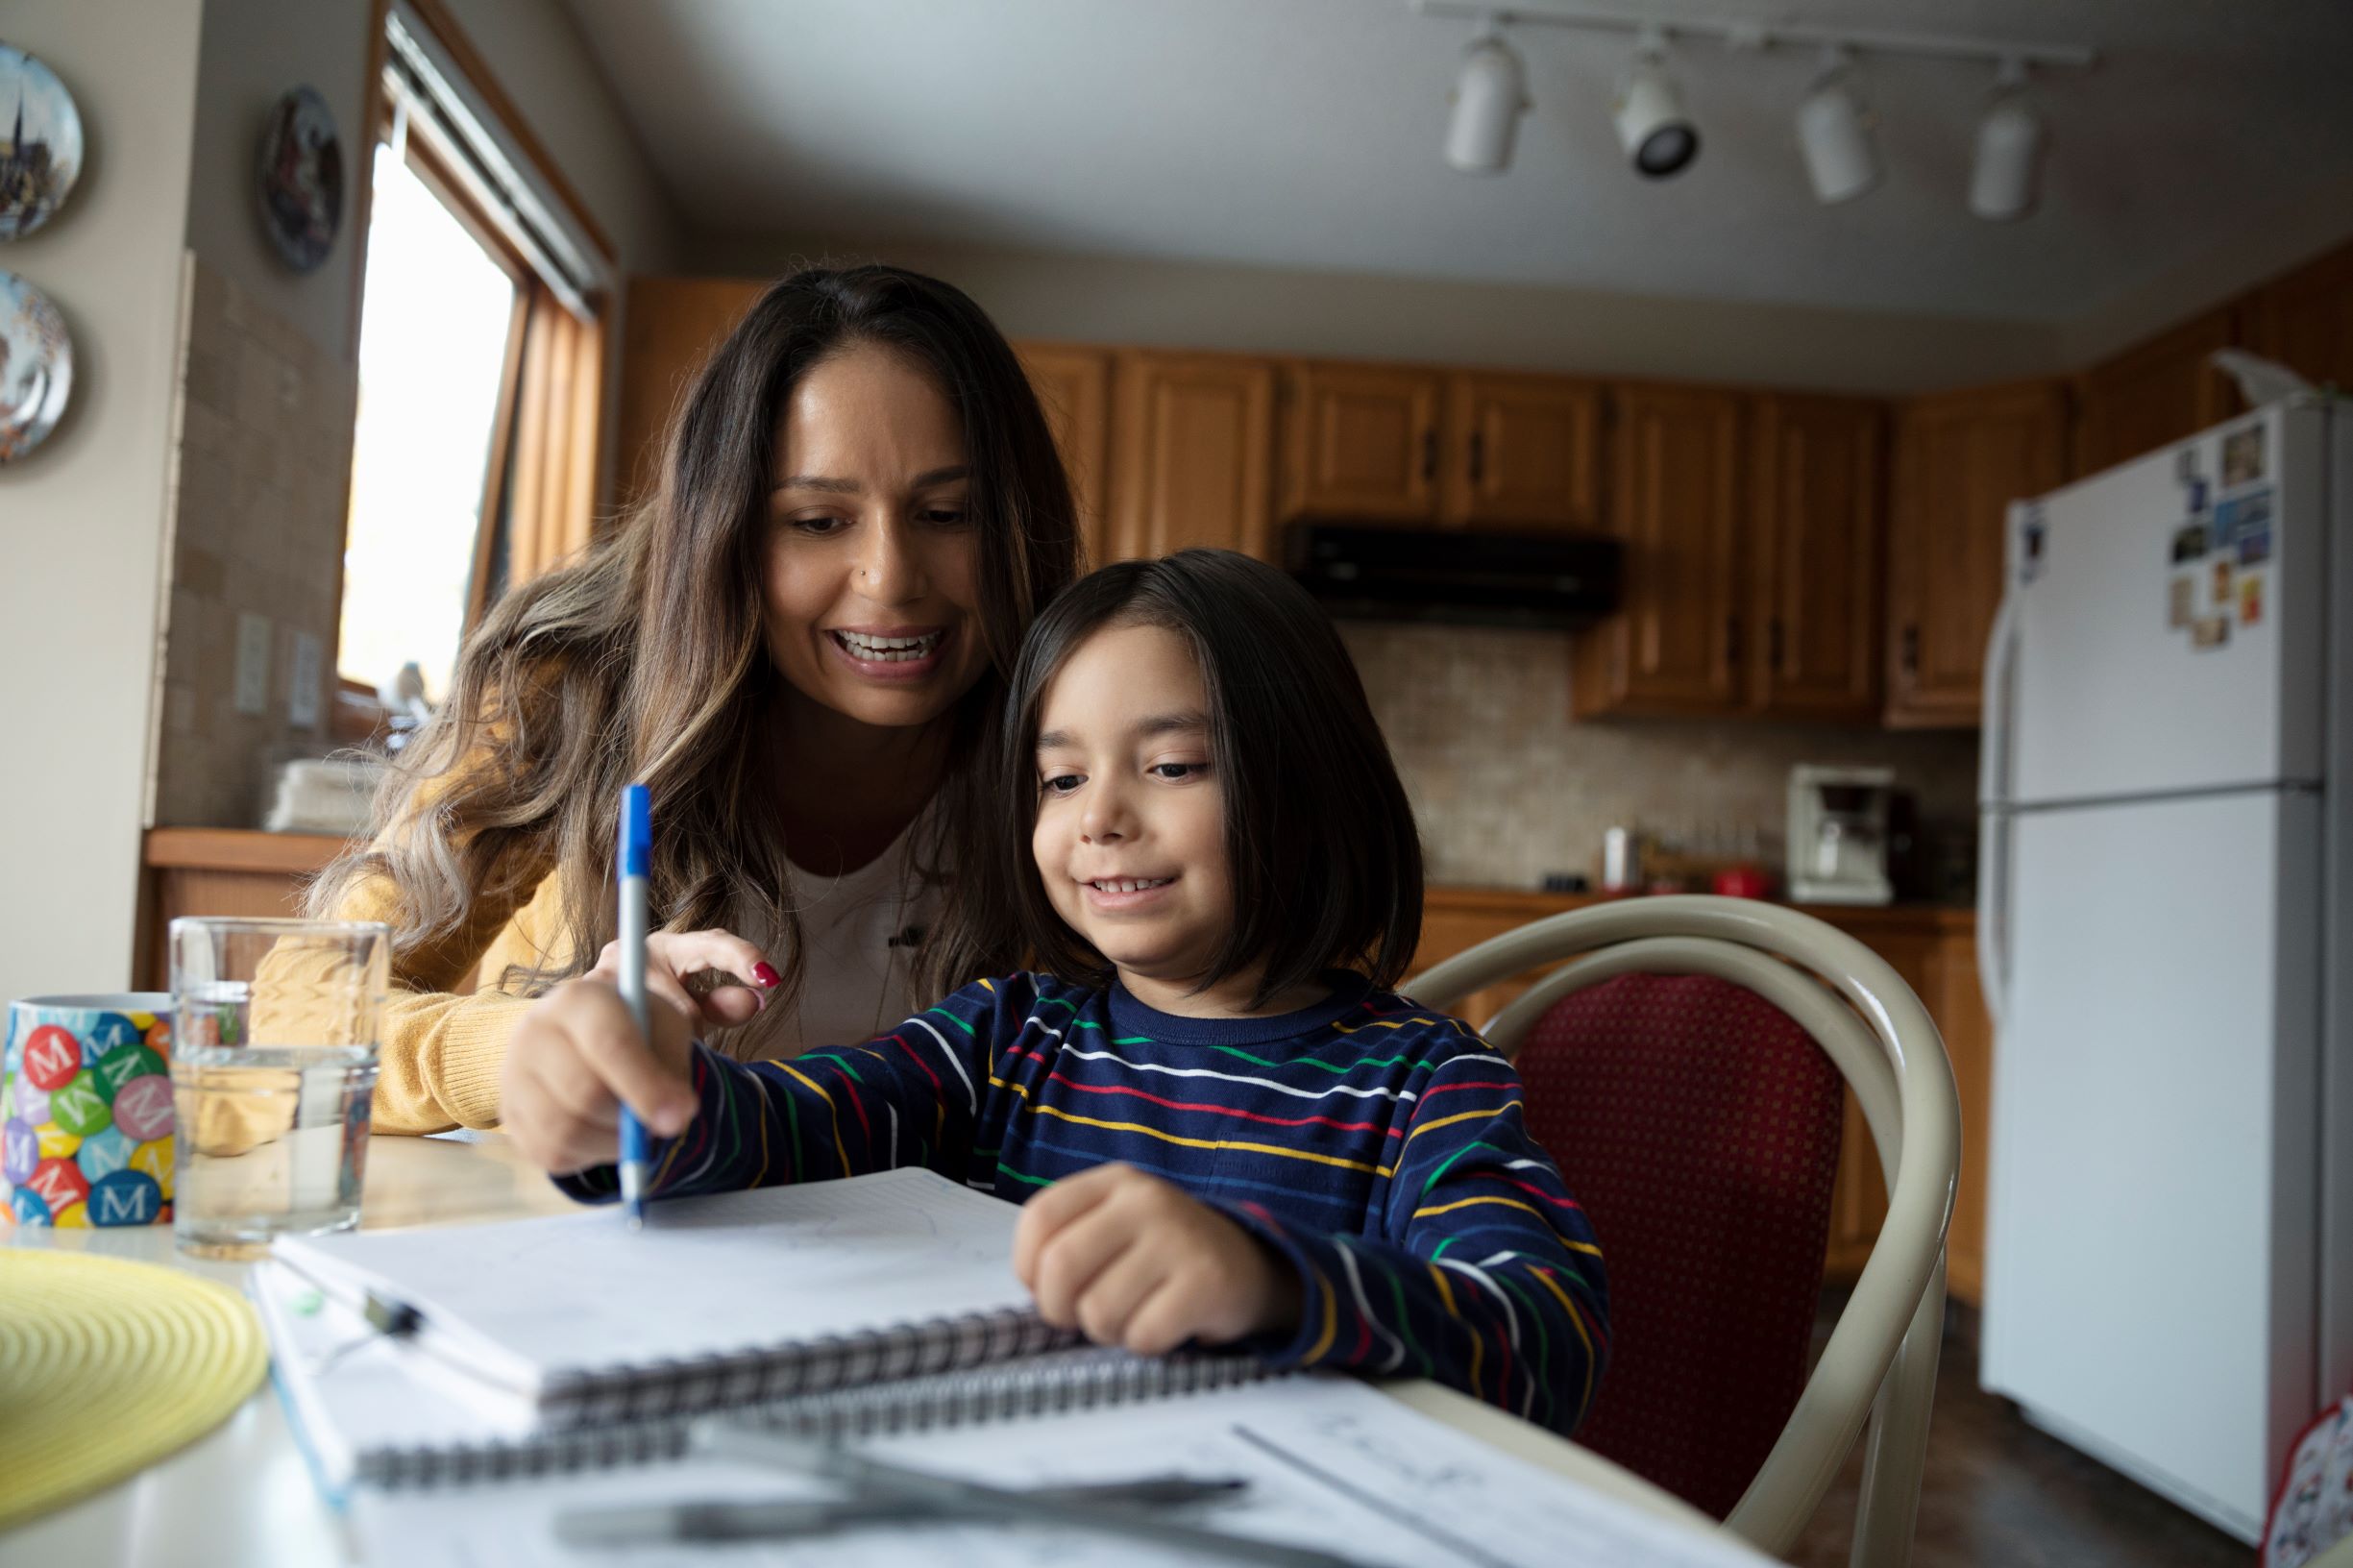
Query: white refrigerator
(2165, 923)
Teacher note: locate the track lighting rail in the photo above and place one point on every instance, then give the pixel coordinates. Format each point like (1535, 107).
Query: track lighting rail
(1748, 35)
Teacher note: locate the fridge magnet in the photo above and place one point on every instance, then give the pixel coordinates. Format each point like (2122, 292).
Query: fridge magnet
(36, 367)
(2255, 546)
(2030, 545)
(2185, 464)
(2250, 599)
(2197, 496)
(2210, 631)
(2221, 585)
(2242, 457)
(42, 154)
(2180, 602)
(2235, 517)
(302, 179)
(2189, 543)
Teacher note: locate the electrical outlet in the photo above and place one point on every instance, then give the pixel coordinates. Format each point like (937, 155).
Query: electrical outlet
(253, 689)
(303, 699)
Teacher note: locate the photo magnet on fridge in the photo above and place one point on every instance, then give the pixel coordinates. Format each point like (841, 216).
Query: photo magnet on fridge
(2198, 494)
(2250, 599)
(2210, 631)
(2242, 457)
(2255, 546)
(2188, 542)
(2233, 518)
(2185, 464)
(2221, 586)
(2181, 602)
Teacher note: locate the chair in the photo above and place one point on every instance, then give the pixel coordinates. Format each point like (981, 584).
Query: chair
(1879, 1365)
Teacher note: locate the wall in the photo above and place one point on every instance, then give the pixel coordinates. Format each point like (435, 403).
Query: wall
(1507, 788)
(1263, 310)
(267, 360)
(81, 518)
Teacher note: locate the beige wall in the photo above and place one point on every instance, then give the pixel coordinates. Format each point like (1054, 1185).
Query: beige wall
(81, 519)
(1263, 310)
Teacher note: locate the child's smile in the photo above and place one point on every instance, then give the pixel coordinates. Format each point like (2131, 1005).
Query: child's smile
(1130, 839)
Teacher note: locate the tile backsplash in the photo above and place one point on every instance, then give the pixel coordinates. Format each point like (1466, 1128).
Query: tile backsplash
(259, 482)
(1508, 788)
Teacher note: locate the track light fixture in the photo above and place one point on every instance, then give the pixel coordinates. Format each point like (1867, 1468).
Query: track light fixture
(1835, 124)
(1835, 134)
(1489, 97)
(1653, 126)
(2002, 181)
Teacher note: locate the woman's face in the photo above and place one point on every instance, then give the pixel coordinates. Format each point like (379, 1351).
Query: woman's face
(868, 589)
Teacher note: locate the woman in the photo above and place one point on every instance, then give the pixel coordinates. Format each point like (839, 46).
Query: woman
(799, 643)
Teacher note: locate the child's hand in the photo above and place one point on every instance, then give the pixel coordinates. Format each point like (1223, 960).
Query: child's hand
(575, 1057)
(714, 977)
(1135, 1262)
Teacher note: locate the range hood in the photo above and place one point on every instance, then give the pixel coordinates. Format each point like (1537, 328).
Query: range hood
(1461, 577)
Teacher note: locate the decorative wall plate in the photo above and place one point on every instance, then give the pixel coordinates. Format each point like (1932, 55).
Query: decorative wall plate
(302, 179)
(36, 367)
(40, 142)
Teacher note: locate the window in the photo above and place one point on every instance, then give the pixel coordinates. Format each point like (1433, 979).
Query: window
(475, 453)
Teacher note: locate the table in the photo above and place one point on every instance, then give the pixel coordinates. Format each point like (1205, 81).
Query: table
(241, 1496)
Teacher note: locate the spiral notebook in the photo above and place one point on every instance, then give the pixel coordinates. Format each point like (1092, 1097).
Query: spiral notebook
(735, 1299)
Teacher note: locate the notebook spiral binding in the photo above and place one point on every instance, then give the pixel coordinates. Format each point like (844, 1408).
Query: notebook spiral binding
(650, 1390)
(1048, 1383)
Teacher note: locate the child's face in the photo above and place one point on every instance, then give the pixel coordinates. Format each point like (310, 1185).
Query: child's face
(1130, 838)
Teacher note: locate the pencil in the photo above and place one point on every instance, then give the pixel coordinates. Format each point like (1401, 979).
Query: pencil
(636, 851)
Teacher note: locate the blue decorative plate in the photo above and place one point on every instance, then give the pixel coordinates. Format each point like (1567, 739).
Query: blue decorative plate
(40, 142)
(36, 367)
(302, 179)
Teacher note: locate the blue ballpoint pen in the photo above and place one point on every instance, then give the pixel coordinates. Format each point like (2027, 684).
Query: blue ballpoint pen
(636, 851)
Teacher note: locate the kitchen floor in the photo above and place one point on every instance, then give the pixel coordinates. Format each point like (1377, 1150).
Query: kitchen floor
(1997, 1492)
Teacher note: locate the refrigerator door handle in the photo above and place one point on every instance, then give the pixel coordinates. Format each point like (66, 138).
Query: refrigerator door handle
(1994, 814)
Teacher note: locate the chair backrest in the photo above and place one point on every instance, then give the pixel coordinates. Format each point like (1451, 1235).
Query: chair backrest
(1699, 1126)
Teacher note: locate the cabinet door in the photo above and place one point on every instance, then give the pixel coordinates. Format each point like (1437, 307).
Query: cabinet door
(1820, 497)
(1522, 451)
(670, 325)
(1073, 386)
(2153, 395)
(1961, 459)
(1958, 1005)
(1673, 646)
(2305, 320)
(1193, 438)
(1360, 442)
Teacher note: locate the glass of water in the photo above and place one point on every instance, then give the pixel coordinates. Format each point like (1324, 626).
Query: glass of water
(273, 1069)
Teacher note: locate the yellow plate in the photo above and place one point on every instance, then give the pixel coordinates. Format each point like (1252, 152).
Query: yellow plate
(106, 1366)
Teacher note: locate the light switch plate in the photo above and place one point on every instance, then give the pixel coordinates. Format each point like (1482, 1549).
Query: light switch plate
(253, 689)
(303, 700)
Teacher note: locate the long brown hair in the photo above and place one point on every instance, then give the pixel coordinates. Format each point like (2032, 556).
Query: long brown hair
(1321, 849)
(645, 661)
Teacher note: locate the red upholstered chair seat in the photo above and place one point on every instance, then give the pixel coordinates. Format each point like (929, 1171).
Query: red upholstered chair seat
(1699, 1125)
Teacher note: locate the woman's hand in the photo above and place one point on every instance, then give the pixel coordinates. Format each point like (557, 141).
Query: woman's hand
(575, 1058)
(1134, 1261)
(716, 978)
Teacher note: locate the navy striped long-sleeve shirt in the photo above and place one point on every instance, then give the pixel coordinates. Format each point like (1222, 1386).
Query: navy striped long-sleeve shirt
(1377, 1147)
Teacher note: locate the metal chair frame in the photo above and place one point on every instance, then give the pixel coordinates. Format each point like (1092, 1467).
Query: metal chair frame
(1880, 1363)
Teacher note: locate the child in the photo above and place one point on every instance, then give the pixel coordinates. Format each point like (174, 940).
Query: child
(1223, 1127)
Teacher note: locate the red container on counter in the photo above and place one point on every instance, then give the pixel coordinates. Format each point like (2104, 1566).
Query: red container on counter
(1742, 882)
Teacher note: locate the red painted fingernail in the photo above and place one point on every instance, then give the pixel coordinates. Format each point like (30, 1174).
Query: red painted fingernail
(766, 975)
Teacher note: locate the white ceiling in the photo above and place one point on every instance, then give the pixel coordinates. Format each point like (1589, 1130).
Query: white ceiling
(1307, 133)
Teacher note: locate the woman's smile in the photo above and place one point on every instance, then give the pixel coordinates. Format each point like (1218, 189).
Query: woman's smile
(899, 655)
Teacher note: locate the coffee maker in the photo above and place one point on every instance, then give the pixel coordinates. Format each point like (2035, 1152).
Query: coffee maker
(1838, 834)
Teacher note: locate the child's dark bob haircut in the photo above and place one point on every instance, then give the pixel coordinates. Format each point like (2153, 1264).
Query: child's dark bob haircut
(1320, 845)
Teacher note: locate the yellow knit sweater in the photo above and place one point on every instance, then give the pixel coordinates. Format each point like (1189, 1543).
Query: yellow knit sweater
(442, 1052)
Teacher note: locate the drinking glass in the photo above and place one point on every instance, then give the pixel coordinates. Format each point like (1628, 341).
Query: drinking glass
(273, 1070)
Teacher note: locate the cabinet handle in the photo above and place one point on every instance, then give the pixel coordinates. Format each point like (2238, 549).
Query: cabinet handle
(1772, 644)
(1911, 648)
(1479, 456)
(1430, 456)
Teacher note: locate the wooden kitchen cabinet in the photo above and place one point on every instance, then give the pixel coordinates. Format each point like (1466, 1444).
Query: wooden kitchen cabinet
(669, 327)
(2154, 393)
(2305, 320)
(1522, 452)
(1193, 453)
(1961, 459)
(1073, 386)
(1819, 499)
(1674, 645)
(1360, 442)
